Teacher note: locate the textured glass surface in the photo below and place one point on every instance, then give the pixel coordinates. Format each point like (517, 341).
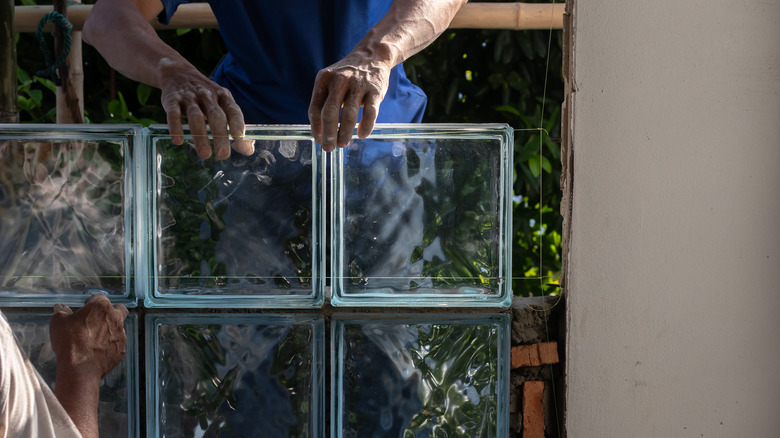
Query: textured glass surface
(118, 407)
(424, 375)
(422, 216)
(235, 375)
(66, 222)
(243, 232)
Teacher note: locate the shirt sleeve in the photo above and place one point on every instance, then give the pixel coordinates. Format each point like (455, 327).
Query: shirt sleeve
(169, 8)
(28, 408)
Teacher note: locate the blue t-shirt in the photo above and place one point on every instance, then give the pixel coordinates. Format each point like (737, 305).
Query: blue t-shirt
(277, 47)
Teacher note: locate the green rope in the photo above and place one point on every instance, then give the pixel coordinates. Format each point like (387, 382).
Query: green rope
(51, 67)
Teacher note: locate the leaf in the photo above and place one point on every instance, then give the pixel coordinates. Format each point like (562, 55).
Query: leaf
(529, 149)
(546, 164)
(508, 109)
(36, 96)
(23, 103)
(48, 83)
(22, 76)
(125, 112)
(114, 109)
(553, 147)
(146, 121)
(553, 120)
(180, 32)
(534, 165)
(142, 92)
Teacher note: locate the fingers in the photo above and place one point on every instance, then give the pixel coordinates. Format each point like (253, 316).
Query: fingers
(122, 310)
(339, 92)
(102, 302)
(173, 113)
(235, 119)
(205, 105)
(349, 117)
(330, 121)
(318, 97)
(370, 113)
(333, 101)
(95, 297)
(62, 310)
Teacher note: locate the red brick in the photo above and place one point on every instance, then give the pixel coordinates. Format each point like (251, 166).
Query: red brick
(535, 354)
(525, 356)
(533, 409)
(548, 352)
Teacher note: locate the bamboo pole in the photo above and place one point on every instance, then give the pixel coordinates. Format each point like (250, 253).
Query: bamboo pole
(513, 16)
(9, 111)
(70, 92)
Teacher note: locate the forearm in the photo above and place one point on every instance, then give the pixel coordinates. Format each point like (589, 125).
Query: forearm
(408, 27)
(121, 32)
(79, 395)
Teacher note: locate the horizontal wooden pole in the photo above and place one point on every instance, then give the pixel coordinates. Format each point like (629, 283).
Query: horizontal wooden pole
(514, 16)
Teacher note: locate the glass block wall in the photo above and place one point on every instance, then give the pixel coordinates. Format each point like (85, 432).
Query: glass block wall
(415, 217)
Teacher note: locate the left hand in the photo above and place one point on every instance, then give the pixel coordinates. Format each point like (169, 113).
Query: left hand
(355, 81)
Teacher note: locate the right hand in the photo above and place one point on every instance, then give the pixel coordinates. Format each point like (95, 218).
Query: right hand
(188, 93)
(90, 342)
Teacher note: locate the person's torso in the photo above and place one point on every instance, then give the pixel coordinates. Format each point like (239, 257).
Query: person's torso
(277, 47)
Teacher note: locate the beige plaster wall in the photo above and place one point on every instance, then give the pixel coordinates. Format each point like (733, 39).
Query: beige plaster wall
(674, 276)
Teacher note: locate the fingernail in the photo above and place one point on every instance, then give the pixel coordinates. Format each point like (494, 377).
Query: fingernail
(59, 308)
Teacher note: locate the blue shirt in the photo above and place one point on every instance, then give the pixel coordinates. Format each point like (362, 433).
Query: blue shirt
(276, 48)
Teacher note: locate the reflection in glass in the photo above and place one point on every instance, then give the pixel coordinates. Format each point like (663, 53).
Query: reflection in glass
(65, 226)
(117, 409)
(239, 232)
(234, 375)
(425, 375)
(423, 216)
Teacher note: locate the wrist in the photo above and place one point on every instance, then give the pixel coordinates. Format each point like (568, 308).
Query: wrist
(379, 50)
(170, 68)
(86, 373)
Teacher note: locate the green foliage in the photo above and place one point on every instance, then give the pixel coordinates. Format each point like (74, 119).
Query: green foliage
(30, 97)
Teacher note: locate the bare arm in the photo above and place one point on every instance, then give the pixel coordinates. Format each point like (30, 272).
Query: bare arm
(121, 32)
(361, 78)
(88, 344)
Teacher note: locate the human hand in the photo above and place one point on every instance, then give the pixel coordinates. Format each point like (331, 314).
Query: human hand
(187, 92)
(90, 342)
(355, 81)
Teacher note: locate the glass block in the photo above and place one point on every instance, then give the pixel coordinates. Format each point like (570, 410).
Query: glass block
(118, 405)
(422, 375)
(421, 217)
(235, 375)
(66, 228)
(243, 232)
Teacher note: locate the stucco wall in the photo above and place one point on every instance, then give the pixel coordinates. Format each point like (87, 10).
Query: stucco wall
(673, 307)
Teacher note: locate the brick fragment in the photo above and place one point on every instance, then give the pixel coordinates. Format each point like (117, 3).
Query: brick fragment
(535, 354)
(548, 352)
(533, 409)
(524, 355)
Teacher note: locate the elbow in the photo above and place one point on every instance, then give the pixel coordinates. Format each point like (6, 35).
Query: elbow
(90, 30)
